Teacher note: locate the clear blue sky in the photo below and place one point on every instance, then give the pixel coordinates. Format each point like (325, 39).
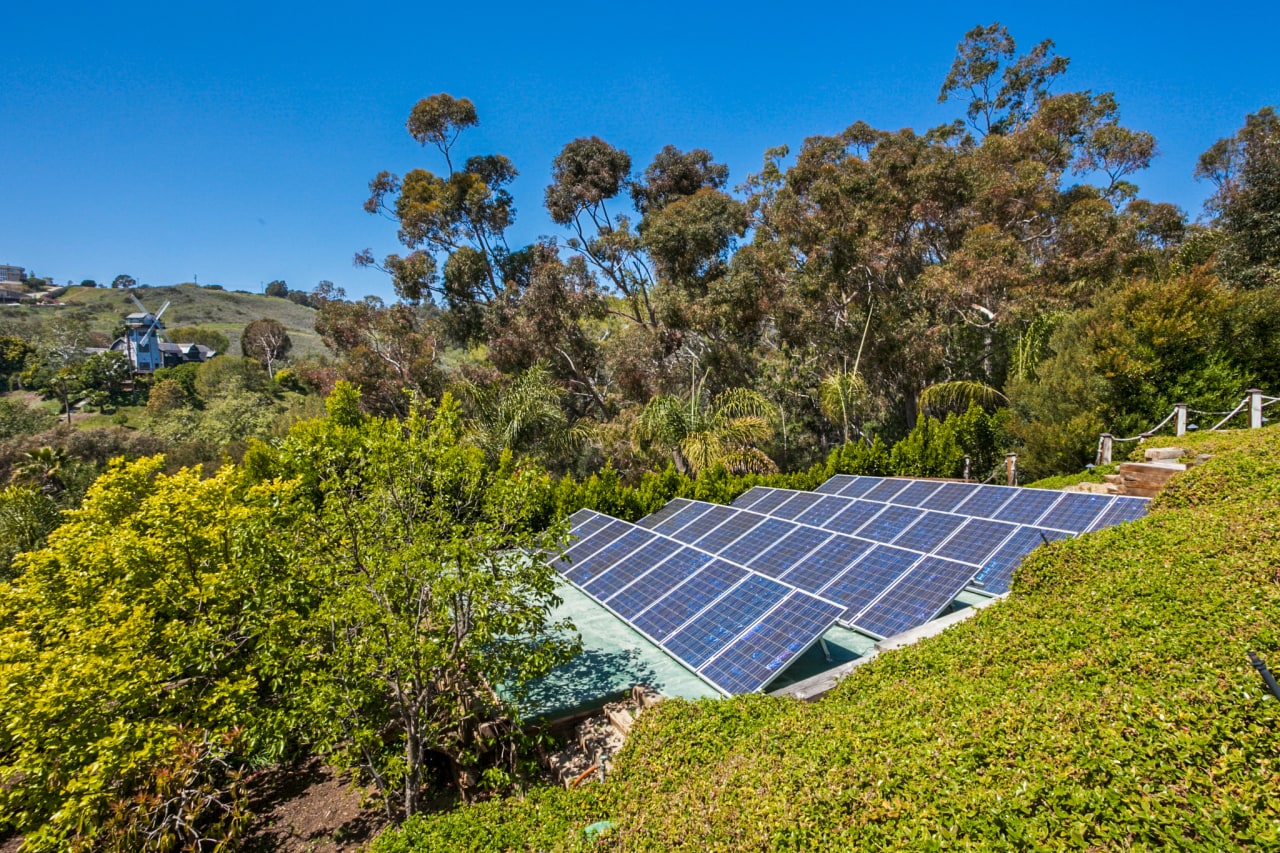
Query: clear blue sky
(235, 143)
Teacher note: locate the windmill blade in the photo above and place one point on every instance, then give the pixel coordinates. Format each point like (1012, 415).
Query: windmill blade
(141, 307)
(159, 330)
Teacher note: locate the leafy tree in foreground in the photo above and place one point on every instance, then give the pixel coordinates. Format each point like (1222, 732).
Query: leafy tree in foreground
(436, 593)
(128, 662)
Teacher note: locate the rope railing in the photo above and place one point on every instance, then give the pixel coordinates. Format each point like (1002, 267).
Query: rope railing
(1254, 402)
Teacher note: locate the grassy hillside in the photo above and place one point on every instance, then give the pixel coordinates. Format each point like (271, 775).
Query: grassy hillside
(104, 308)
(1108, 704)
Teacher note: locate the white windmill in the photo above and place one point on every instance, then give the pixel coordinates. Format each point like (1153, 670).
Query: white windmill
(143, 334)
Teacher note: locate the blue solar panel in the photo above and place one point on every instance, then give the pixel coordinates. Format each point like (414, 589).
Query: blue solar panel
(664, 577)
(885, 490)
(835, 484)
(732, 614)
(859, 486)
(704, 524)
(891, 521)
(976, 540)
(1124, 509)
(869, 577)
(584, 523)
(779, 559)
(587, 518)
(1075, 512)
(673, 506)
(986, 501)
(800, 501)
(755, 658)
(949, 496)
(854, 517)
(917, 598)
(997, 573)
(631, 567)
(771, 501)
(916, 493)
(679, 518)
(590, 544)
(673, 610)
(726, 533)
(1028, 505)
(749, 497)
(761, 537)
(929, 531)
(827, 563)
(583, 571)
(823, 511)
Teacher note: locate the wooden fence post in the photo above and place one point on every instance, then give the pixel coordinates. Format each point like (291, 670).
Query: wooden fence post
(1104, 449)
(1255, 407)
(1180, 419)
(1011, 467)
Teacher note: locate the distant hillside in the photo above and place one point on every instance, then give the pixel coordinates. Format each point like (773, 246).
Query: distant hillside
(228, 312)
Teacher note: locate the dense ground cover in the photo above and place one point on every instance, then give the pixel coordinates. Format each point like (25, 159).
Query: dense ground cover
(1108, 704)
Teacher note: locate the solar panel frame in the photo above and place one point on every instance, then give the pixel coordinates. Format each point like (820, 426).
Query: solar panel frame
(1075, 512)
(757, 540)
(589, 568)
(855, 516)
(834, 484)
(713, 517)
(729, 531)
(661, 580)
(1123, 509)
(997, 571)
(864, 581)
(859, 486)
(985, 501)
(975, 541)
(788, 551)
(889, 523)
(950, 496)
(747, 498)
(929, 531)
(1028, 505)
(665, 616)
(632, 567)
(760, 653)
(671, 507)
(916, 598)
(885, 490)
(819, 513)
(696, 641)
(681, 518)
(826, 563)
(916, 493)
(799, 502)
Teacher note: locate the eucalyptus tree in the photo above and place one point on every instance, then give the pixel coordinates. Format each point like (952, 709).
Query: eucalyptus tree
(462, 214)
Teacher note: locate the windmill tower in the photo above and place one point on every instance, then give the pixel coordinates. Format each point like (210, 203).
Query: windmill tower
(143, 332)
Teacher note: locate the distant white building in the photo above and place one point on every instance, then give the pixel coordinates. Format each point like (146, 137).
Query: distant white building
(12, 275)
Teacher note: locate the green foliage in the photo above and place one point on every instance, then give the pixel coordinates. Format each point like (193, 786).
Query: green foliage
(211, 338)
(134, 633)
(27, 515)
(435, 586)
(17, 418)
(1107, 704)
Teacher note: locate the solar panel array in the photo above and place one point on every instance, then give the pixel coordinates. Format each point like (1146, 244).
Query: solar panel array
(737, 591)
(735, 627)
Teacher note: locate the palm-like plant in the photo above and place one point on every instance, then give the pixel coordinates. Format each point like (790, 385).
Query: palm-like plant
(958, 395)
(522, 415)
(841, 395)
(702, 434)
(42, 468)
